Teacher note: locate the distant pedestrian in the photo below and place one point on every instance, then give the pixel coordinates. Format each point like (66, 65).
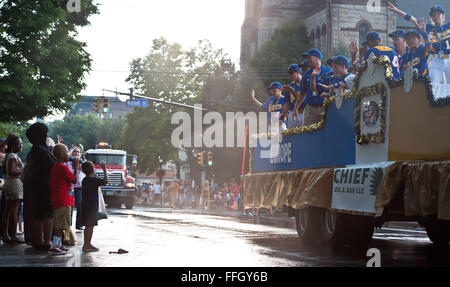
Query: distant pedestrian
(76, 153)
(61, 179)
(206, 193)
(13, 189)
(173, 193)
(89, 204)
(42, 161)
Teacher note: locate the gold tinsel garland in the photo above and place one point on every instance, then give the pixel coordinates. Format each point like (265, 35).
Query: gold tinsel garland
(379, 137)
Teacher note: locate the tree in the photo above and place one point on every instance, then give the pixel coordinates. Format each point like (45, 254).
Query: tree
(271, 61)
(88, 130)
(42, 65)
(171, 73)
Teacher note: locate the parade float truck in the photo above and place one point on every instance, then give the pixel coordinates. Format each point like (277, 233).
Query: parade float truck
(121, 188)
(380, 153)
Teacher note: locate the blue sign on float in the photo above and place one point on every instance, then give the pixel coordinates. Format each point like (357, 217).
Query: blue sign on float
(137, 103)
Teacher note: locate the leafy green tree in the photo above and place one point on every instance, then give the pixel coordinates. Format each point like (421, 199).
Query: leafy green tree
(42, 65)
(88, 130)
(19, 130)
(76, 130)
(171, 73)
(284, 48)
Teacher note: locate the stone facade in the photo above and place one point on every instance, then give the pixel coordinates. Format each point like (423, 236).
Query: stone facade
(349, 20)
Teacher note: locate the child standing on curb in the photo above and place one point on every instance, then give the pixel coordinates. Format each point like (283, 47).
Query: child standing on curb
(89, 202)
(61, 179)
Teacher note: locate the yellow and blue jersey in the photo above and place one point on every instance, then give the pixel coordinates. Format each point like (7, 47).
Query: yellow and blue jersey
(290, 96)
(417, 59)
(273, 105)
(394, 59)
(336, 82)
(439, 37)
(312, 98)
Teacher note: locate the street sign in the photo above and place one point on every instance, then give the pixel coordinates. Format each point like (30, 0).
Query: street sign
(137, 103)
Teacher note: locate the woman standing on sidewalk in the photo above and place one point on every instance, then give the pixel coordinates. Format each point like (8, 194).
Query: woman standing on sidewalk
(42, 161)
(13, 187)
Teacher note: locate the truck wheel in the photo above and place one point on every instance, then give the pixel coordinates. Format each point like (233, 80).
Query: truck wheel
(360, 230)
(307, 221)
(129, 204)
(333, 227)
(114, 203)
(438, 230)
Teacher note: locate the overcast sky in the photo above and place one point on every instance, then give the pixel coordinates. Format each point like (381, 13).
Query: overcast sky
(124, 30)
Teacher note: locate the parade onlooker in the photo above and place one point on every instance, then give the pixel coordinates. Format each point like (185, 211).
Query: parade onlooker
(157, 191)
(76, 153)
(181, 194)
(173, 193)
(197, 195)
(13, 189)
(89, 204)
(61, 179)
(42, 161)
(206, 191)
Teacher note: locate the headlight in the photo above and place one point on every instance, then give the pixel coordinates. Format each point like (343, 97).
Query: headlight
(130, 185)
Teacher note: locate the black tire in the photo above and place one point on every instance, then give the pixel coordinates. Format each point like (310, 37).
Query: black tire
(129, 203)
(114, 203)
(341, 229)
(438, 230)
(333, 228)
(308, 225)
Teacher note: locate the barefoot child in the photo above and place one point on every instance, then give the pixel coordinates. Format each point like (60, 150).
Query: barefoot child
(61, 179)
(89, 203)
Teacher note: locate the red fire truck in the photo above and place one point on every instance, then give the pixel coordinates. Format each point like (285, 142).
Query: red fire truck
(121, 188)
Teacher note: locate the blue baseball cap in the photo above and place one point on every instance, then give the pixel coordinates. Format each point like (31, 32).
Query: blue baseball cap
(438, 8)
(412, 33)
(373, 36)
(294, 68)
(313, 52)
(275, 85)
(2, 140)
(341, 60)
(400, 33)
(330, 60)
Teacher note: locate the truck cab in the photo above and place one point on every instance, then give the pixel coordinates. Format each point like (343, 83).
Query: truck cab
(121, 188)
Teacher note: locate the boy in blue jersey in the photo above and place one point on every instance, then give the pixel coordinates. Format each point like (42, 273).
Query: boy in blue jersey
(309, 97)
(274, 105)
(341, 79)
(418, 55)
(373, 41)
(292, 92)
(439, 35)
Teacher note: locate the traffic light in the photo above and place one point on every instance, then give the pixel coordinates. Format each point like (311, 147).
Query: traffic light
(97, 105)
(200, 159)
(105, 105)
(210, 158)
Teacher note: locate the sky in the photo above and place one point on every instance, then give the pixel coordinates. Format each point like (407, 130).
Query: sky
(124, 30)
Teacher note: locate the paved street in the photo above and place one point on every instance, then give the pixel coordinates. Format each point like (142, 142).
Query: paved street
(165, 237)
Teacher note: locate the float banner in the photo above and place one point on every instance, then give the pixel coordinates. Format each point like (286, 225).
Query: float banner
(355, 187)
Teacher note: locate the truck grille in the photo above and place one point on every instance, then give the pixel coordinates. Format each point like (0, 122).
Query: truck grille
(114, 178)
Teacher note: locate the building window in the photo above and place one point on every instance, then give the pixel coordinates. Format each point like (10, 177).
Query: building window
(363, 30)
